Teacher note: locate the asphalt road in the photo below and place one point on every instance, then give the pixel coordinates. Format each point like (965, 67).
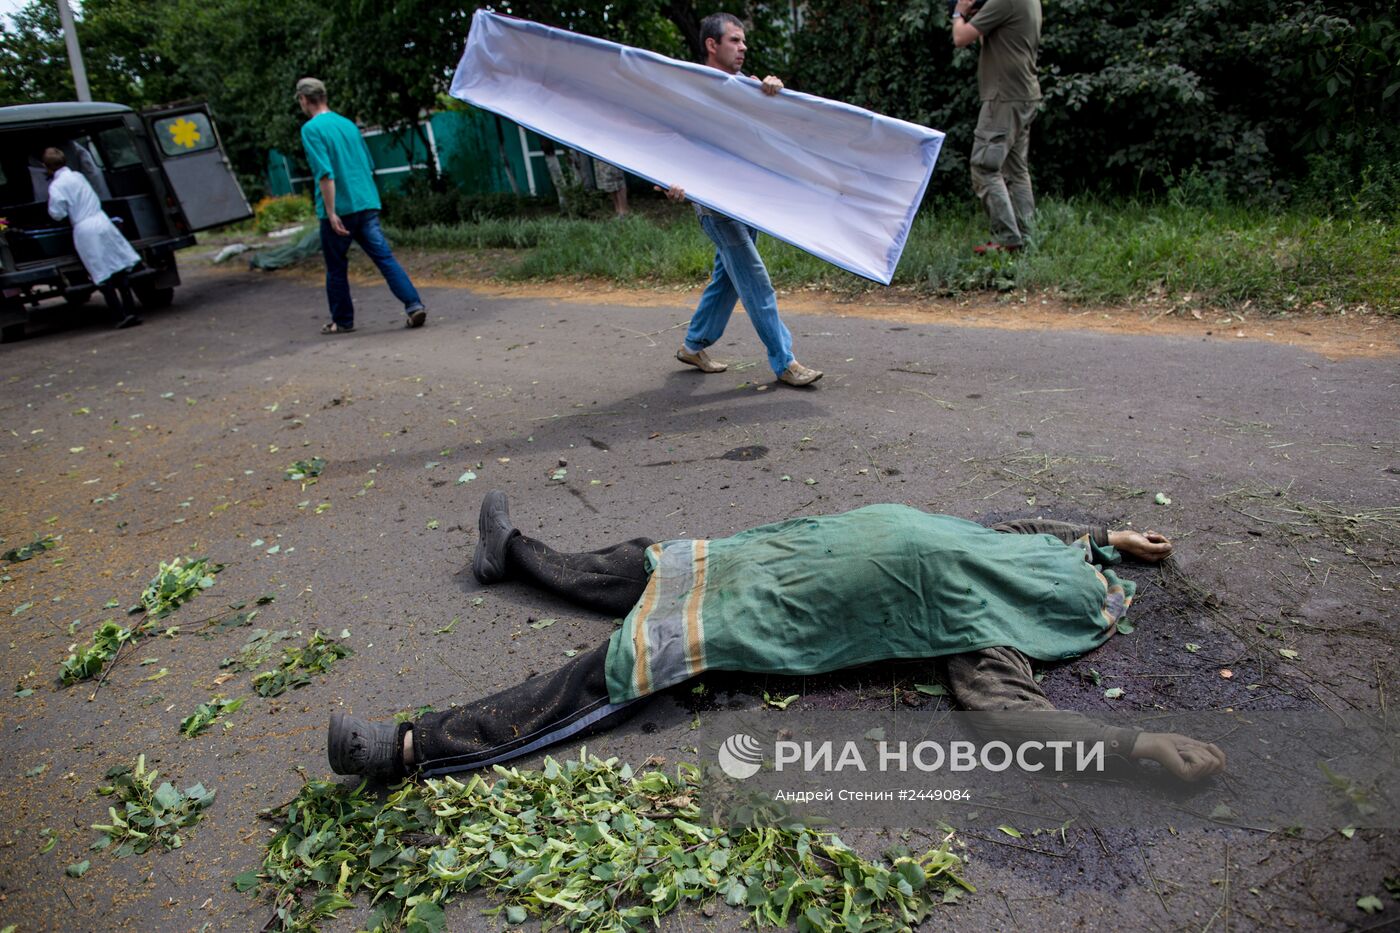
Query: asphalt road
(172, 439)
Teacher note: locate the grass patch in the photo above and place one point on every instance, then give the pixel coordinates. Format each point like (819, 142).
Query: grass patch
(1085, 249)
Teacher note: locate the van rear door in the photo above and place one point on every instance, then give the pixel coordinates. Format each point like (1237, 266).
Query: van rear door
(195, 164)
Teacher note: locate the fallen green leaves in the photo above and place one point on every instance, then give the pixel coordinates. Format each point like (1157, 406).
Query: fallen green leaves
(257, 649)
(176, 583)
(206, 714)
(173, 585)
(149, 814)
(306, 471)
(585, 843)
(26, 551)
(777, 701)
(298, 664)
(88, 662)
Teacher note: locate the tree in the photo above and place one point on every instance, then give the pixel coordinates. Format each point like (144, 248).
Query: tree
(33, 59)
(244, 57)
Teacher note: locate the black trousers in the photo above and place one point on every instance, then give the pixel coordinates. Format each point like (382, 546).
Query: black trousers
(116, 292)
(569, 703)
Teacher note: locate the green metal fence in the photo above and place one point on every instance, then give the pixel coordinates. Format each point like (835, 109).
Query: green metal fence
(470, 147)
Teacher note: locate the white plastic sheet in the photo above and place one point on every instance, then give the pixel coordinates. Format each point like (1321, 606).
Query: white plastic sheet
(840, 182)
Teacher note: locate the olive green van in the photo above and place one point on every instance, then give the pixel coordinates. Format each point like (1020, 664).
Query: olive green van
(161, 175)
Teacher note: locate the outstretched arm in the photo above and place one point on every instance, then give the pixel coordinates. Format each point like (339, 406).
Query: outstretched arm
(1189, 759)
(1147, 546)
(1000, 682)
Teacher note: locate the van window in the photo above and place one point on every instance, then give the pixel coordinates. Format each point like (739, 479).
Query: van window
(186, 133)
(119, 148)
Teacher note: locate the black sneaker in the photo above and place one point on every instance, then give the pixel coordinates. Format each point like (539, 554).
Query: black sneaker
(494, 531)
(416, 318)
(355, 746)
(131, 320)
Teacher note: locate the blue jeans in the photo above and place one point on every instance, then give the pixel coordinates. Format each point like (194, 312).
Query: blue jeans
(739, 273)
(364, 230)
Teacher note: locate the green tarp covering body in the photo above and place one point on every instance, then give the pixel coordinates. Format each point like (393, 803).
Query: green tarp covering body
(812, 595)
(279, 257)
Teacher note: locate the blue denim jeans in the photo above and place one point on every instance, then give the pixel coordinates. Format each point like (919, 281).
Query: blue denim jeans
(364, 230)
(739, 273)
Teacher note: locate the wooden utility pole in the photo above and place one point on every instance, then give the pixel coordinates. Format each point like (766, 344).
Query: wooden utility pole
(75, 54)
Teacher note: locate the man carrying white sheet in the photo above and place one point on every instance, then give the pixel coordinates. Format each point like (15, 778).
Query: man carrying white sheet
(739, 270)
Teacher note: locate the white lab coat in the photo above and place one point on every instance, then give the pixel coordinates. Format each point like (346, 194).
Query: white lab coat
(100, 245)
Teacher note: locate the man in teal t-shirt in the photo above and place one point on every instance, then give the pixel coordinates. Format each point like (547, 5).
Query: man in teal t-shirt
(347, 202)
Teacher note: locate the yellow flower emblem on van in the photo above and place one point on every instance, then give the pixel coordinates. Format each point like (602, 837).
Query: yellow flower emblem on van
(184, 133)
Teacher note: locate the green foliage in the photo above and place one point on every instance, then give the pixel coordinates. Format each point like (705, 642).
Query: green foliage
(422, 202)
(298, 664)
(173, 585)
(276, 213)
(88, 663)
(206, 714)
(150, 815)
(306, 471)
(256, 650)
(27, 551)
(586, 844)
(122, 63)
(1137, 95)
(1184, 248)
(1265, 97)
(176, 583)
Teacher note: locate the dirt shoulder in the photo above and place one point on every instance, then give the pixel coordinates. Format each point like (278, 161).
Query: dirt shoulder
(1341, 335)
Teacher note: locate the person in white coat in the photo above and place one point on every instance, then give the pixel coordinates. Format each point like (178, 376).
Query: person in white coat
(105, 253)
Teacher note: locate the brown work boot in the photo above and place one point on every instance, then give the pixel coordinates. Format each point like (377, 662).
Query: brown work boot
(700, 360)
(798, 375)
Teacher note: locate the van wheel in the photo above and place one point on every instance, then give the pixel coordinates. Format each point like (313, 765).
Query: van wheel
(154, 297)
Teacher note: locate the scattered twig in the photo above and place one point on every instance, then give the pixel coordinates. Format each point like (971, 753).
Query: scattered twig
(1153, 878)
(1014, 845)
(108, 669)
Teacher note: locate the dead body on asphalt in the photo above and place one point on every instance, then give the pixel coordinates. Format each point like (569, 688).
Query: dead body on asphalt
(799, 597)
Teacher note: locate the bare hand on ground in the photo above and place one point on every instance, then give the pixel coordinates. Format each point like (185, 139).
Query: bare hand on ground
(772, 85)
(1149, 546)
(1187, 758)
(674, 193)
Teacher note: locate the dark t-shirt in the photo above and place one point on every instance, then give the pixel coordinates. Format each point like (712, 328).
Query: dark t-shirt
(1010, 39)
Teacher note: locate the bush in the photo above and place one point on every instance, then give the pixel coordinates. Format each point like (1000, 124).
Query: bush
(1248, 93)
(275, 213)
(425, 202)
